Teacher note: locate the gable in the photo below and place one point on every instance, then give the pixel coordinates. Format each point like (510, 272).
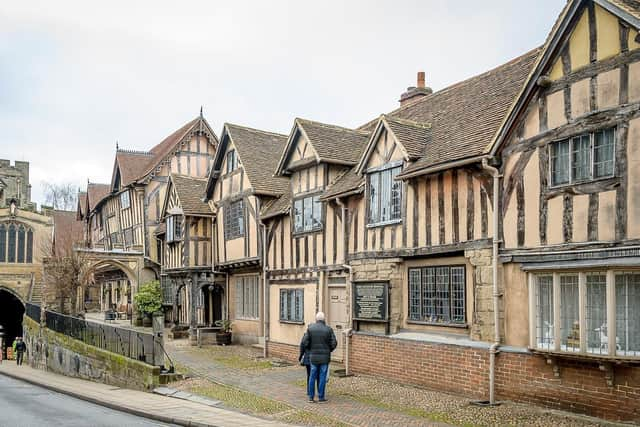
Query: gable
(171, 201)
(301, 150)
(383, 148)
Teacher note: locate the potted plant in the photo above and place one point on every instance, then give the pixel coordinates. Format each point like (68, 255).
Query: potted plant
(223, 336)
(148, 300)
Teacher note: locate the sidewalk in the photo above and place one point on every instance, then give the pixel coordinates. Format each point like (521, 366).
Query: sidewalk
(160, 408)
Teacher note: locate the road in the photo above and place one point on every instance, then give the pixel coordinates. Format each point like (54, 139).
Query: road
(26, 405)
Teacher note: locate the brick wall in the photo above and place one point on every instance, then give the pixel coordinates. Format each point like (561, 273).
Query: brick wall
(283, 351)
(581, 386)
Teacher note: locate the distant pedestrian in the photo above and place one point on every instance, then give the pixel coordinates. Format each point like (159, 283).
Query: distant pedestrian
(319, 341)
(21, 347)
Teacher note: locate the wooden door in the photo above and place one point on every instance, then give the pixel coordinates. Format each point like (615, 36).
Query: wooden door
(338, 318)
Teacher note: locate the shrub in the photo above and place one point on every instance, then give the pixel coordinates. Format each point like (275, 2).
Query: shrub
(149, 297)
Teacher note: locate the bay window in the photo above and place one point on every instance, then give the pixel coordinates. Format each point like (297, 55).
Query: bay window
(590, 312)
(583, 158)
(385, 195)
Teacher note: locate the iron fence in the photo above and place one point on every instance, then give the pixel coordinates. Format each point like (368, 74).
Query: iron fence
(126, 342)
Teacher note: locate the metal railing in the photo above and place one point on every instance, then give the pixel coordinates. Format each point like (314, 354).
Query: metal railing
(125, 342)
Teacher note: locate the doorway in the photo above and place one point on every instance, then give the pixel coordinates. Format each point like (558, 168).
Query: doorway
(338, 317)
(11, 312)
(213, 297)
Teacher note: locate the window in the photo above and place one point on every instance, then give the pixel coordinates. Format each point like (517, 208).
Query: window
(585, 298)
(583, 157)
(437, 294)
(114, 239)
(248, 297)
(128, 237)
(292, 305)
(232, 161)
(385, 196)
(3, 243)
(11, 257)
(234, 220)
(125, 202)
(21, 243)
(307, 214)
(174, 228)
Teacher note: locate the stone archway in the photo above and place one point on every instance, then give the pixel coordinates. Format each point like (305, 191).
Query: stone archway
(11, 313)
(108, 284)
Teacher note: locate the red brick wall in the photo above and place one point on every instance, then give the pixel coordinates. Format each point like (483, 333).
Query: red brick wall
(283, 351)
(581, 387)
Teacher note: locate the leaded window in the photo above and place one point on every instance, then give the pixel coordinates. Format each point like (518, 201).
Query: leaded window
(234, 220)
(307, 214)
(385, 195)
(583, 158)
(11, 257)
(232, 161)
(437, 294)
(585, 301)
(292, 305)
(3, 243)
(125, 201)
(174, 228)
(16, 243)
(248, 297)
(21, 243)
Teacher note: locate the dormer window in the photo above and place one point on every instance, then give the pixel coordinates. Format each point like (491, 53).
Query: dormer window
(174, 228)
(307, 214)
(125, 201)
(385, 195)
(232, 161)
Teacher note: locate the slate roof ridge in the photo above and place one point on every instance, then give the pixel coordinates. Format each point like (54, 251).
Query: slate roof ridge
(250, 129)
(328, 125)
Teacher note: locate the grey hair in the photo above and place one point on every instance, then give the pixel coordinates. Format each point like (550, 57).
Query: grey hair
(319, 316)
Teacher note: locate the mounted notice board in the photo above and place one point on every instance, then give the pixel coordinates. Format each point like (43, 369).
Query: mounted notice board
(371, 301)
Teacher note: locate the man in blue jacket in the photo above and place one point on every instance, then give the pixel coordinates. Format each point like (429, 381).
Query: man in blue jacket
(319, 341)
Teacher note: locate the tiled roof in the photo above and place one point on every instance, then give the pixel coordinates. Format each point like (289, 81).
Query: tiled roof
(259, 152)
(465, 117)
(67, 231)
(632, 7)
(132, 165)
(348, 183)
(334, 143)
(412, 135)
(190, 192)
(279, 206)
(96, 192)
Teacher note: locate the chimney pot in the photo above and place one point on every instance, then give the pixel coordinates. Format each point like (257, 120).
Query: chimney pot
(421, 83)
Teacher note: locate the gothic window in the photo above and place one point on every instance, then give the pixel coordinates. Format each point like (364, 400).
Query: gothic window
(12, 243)
(21, 237)
(30, 246)
(16, 243)
(3, 243)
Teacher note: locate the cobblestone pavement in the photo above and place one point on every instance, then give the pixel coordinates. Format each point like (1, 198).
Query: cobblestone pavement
(361, 400)
(280, 384)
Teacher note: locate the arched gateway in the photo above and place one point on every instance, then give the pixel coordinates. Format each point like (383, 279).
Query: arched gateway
(11, 313)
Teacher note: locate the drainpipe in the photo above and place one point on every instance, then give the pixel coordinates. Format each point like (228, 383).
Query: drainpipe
(265, 290)
(496, 295)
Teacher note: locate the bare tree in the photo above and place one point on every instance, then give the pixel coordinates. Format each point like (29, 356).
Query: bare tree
(62, 196)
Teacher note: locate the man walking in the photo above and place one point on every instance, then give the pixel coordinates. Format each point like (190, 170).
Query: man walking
(21, 347)
(319, 341)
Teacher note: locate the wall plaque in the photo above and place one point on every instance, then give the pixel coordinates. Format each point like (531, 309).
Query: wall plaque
(371, 301)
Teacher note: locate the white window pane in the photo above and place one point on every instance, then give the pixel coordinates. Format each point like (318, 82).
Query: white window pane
(603, 153)
(374, 181)
(317, 212)
(297, 212)
(569, 313)
(596, 314)
(308, 213)
(581, 157)
(544, 312)
(396, 194)
(628, 314)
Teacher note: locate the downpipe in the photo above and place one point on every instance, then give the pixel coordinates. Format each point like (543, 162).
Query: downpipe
(265, 293)
(349, 331)
(494, 349)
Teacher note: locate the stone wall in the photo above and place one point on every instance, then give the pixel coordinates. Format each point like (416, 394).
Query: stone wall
(482, 324)
(578, 386)
(64, 355)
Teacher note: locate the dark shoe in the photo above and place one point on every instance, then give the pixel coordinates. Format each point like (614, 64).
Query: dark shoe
(322, 400)
(311, 400)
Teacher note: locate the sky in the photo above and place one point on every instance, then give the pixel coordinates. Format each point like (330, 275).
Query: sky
(77, 76)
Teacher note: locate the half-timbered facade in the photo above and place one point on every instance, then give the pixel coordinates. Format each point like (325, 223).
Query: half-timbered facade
(305, 239)
(240, 183)
(571, 198)
(122, 217)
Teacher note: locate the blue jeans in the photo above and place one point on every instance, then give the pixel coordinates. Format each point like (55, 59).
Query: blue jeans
(319, 374)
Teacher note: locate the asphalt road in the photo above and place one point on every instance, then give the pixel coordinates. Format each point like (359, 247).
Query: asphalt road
(26, 405)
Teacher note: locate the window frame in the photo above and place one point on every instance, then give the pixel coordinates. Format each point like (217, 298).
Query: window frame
(125, 196)
(231, 161)
(248, 303)
(552, 146)
(297, 296)
(608, 345)
(421, 320)
(174, 228)
(313, 199)
(234, 214)
(395, 212)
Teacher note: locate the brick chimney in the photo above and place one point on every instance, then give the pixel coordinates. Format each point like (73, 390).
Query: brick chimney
(415, 92)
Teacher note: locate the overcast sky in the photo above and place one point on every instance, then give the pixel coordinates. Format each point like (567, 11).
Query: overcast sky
(77, 76)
